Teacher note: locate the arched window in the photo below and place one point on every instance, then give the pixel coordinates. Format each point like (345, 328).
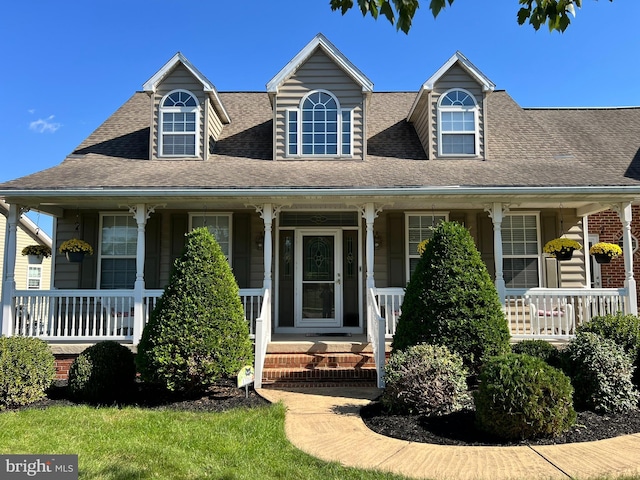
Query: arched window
(319, 127)
(179, 124)
(458, 123)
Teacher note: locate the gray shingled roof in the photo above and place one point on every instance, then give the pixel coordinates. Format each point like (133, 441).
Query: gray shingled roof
(526, 147)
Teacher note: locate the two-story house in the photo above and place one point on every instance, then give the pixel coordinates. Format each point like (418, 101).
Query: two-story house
(320, 189)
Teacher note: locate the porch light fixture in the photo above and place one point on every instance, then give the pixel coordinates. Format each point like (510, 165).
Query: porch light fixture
(377, 240)
(260, 241)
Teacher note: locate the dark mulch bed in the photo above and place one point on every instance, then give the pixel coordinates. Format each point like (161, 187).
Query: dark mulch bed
(223, 396)
(459, 428)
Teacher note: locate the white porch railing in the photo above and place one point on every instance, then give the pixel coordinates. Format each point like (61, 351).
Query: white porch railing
(376, 333)
(95, 315)
(555, 313)
(262, 337)
(389, 301)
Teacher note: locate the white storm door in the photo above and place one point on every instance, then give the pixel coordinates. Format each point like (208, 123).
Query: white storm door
(318, 298)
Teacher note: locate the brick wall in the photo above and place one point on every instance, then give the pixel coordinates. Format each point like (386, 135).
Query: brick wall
(607, 225)
(63, 363)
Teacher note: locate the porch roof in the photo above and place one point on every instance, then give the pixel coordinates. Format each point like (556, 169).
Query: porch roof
(587, 151)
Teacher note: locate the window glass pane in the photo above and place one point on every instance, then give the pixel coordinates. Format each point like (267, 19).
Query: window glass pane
(420, 227)
(458, 144)
(218, 225)
(117, 273)
(521, 251)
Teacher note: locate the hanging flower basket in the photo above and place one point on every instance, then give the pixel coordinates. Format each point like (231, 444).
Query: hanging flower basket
(75, 249)
(603, 252)
(36, 253)
(561, 248)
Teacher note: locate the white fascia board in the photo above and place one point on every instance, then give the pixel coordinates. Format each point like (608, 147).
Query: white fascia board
(302, 56)
(470, 68)
(632, 191)
(150, 85)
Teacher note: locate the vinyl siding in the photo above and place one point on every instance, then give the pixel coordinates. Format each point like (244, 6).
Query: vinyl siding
(421, 122)
(22, 262)
(319, 72)
(456, 77)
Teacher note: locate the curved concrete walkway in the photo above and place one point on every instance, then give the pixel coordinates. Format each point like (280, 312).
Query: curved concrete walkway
(325, 423)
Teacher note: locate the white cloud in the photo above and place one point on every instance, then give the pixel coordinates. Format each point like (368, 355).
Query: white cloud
(31, 111)
(44, 126)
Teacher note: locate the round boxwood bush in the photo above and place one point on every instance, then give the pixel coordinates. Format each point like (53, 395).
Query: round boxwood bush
(601, 373)
(452, 301)
(27, 369)
(522, 397)
(103, 374)
(539, 349)
(197, 334)
(622, 329)
(425, 379)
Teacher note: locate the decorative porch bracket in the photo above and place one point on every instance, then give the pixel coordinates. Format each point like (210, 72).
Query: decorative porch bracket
(496, 212)
(9, 265)
(624, 212)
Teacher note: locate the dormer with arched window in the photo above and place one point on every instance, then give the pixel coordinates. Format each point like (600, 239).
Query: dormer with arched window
(188, 114)
(449, 112)
(319, 102)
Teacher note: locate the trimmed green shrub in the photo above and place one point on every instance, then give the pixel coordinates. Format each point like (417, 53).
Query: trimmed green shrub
(27, 369)
(601, 373)
(103, 374)
(622, 329)
(540, 349)
(452, 301)
(197, 334)
(521, 397)
(425, 379)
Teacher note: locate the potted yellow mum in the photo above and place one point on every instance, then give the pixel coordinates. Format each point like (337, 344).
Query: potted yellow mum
(75, 249)
(561, 248)
(36, 253)
(603, 252)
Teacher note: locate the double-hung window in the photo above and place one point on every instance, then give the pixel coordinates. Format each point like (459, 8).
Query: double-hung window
(457, 124)
(419, 227)
(319, 127)
(179, 124)
(219, 224)
(34, 277)
(521, 250)
(118, 247)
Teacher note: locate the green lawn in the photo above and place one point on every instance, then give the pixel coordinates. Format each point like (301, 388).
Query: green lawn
(134, 443)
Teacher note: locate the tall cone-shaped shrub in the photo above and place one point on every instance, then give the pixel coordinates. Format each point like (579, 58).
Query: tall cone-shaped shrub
(452, 301)
(197, 333)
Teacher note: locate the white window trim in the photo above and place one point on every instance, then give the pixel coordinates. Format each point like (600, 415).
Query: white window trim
(161, 132)
(100, 256)
(476, 132)
(229, 215)
(39, 277)
(339, 110)
(409, 255)
(538, 255)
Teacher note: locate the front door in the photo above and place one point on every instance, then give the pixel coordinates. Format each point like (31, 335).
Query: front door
(318, 299)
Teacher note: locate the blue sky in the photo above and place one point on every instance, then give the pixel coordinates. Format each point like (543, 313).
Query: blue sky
(69, 65)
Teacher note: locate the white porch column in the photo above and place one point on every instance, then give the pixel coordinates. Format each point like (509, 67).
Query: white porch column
(496, 212)
(267, 215)
(624, 212)
(141, 215)
(369, 214)
(9, 266)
